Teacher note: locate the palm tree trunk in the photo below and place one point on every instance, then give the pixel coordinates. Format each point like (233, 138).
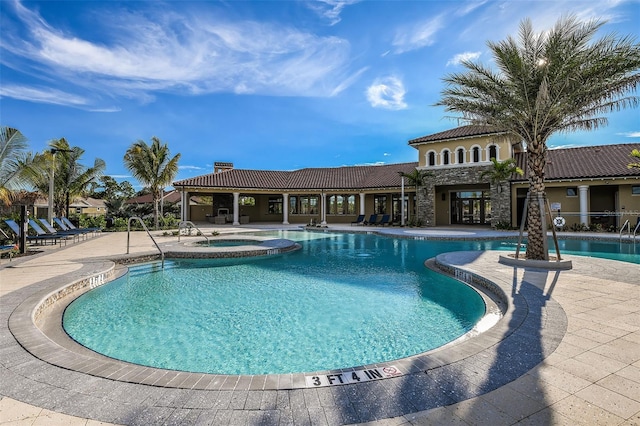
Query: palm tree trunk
(536, 161)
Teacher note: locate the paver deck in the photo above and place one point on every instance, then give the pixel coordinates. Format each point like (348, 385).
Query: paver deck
(567, 352)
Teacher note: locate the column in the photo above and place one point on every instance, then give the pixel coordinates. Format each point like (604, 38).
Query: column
(362, 203)
(402, 202)
(236, 208)
(583, 191)
(323, 209)
(184, 205)
(285, 209)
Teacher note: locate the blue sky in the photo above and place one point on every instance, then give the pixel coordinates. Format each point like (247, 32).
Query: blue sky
(276, 85)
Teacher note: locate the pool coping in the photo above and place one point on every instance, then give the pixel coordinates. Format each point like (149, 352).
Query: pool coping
(36, 324)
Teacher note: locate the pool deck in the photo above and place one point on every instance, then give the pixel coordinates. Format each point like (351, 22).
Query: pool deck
(566, 352)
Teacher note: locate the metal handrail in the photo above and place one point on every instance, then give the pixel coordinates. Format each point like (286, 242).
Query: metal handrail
(635, 231)
(188, 223)
(148, 233)
(626, 225)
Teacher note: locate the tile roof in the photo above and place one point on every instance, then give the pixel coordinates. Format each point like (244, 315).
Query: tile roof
(457, 133)
(327, 178)
(585, 162)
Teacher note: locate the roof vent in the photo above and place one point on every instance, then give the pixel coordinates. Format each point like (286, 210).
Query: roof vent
(220, 166)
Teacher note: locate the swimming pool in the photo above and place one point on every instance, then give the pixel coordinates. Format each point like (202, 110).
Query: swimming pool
(343, 300)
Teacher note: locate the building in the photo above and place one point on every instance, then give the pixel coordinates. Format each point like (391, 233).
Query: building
(587, 185)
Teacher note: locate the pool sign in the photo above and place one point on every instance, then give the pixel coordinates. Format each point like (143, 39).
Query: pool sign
(356, 376)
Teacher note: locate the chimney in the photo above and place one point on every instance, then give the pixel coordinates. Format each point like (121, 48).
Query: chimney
(220, 166)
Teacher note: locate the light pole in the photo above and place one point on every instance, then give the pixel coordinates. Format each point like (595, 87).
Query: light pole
(51, 180)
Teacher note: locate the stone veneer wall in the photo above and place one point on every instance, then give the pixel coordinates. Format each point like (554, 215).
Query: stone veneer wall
(426, 197)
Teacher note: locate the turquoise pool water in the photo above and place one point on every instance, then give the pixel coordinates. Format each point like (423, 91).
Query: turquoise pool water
(343, 300)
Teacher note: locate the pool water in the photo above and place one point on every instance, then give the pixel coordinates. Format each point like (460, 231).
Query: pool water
(343, 300)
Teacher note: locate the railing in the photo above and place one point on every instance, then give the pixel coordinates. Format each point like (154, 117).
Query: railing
(189, 224)
(635, 231)
(628, 226)
(148, 233)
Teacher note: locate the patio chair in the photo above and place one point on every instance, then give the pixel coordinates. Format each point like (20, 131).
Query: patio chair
(372, 220)
(6, 248)
(42, 233)
(359, 220)
(71, 226)
(15, 228)
(51, 230)
(385, 220)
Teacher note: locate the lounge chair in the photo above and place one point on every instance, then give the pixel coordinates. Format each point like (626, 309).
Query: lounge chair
(42, 233)
(372, 220)
(6, 248)
(385, 220)
(51, 230)
(359, 220)
(13, 225)
(71, 226)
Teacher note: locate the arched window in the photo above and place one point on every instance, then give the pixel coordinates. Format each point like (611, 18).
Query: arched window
(432, 158)
(460, 155)
(476, 154)
(445, 156)
(493, 152)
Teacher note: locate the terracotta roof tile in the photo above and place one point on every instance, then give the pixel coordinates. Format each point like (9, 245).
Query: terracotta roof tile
(585, 162)
(458, 132)
(351, 177)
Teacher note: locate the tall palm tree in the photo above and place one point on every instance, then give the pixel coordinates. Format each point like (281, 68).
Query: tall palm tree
(557, 80)
(417, 178)
(71, 179)
(152, 167)
(13, 149)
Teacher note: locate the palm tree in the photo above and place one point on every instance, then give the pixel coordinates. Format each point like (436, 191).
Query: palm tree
(557, 80)
(417, 178)
(13, 146)
(152, 167)
(71, 179)
(501, 171)
(635, 154)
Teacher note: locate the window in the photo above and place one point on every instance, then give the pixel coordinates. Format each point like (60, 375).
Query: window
(247, 201)
(308, 204)
(476, 154)
(380, 204)
(493, 152)
(432, 158)
(572, 192)
(635, 190)
(275, 205)
(293, 204)
(445, 157)
(342, 204)
(460, 155)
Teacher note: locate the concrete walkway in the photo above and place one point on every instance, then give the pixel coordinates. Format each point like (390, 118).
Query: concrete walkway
(584, 367)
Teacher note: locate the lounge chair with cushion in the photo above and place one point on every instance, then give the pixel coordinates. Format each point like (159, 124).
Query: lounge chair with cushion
(6, 248)
(42, 233)
(385, 220)
(359, 220)
(372, 220)
(51, 230)
(71, 226)
(13, 225)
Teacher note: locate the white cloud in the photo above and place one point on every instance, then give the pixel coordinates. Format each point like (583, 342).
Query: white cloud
(330, 9)
(629, 134)
(147, 51)
(191, 168)
(419, 35)
(42, 95)
(465, 56)
(387, 93)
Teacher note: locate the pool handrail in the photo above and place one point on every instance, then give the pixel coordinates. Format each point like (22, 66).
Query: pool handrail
(635, 231)
(628, 226)
(189, 224)
(148, 233)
